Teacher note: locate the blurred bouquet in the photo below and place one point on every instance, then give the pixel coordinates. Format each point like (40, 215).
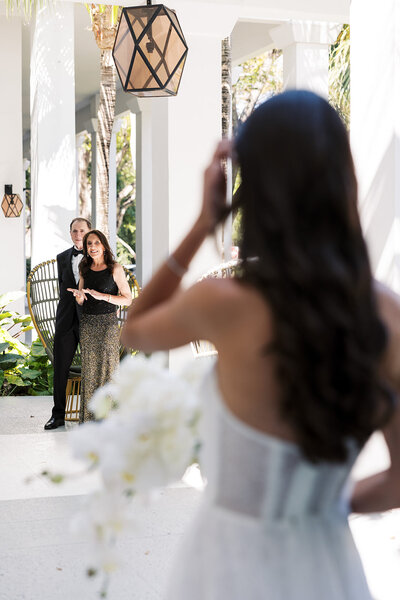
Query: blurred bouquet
(146, 438)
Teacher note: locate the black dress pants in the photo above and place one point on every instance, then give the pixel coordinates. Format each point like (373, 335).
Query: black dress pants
(65, 345)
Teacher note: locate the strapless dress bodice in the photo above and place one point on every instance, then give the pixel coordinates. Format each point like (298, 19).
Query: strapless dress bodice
(265, 477)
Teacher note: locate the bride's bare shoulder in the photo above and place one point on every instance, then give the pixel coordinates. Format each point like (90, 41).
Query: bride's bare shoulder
(230, 288)
(232, 297)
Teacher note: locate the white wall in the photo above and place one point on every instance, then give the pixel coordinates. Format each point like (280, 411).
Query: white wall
(375, 129)
(12, 252)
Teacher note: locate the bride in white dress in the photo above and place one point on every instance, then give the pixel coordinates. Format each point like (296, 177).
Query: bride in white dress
(308, 366)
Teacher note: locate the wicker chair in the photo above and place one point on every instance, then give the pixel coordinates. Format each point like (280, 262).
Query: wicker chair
(43, 294)
(203, 348)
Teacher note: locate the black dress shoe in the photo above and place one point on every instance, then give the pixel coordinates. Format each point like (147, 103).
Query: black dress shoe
(53, 423)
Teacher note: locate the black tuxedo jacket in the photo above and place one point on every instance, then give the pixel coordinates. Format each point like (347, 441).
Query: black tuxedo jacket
(68, 310)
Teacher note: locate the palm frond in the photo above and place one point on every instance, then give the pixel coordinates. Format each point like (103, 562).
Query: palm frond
(27, 8)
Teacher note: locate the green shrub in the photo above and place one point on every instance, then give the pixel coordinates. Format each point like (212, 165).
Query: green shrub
(24, 370)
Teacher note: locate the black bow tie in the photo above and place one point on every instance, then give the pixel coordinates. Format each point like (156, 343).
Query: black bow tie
(75, 252)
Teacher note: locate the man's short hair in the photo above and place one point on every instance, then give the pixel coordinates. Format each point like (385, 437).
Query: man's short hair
(88, 223)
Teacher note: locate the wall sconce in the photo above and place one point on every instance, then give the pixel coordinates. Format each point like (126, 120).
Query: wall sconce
(12, 203)
(149, 50)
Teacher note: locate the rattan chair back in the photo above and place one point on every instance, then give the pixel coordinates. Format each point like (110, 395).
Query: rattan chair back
(203, 348)
(43, 294)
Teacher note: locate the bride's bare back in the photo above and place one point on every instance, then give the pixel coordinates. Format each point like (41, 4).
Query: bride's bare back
(241, 327)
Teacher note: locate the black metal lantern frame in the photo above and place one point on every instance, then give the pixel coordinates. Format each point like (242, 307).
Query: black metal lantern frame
(12, 204)
(150, 50)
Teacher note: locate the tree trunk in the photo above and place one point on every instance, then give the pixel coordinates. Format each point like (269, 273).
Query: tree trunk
(226, 91)
(226, 67)
(105, 121)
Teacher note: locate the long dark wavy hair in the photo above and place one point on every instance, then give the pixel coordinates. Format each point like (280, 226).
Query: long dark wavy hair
(300, 220)
(87, 260)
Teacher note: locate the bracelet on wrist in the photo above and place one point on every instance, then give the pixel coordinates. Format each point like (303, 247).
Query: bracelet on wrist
(175, 267)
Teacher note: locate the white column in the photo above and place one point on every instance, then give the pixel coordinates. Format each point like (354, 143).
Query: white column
(178, 136)
(305, 48)
(12, 232)
(132, 141)
(52, 130)
(145, 174)
(375, 129)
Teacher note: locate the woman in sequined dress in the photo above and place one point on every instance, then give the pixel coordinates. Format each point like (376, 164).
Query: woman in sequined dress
(102, 289)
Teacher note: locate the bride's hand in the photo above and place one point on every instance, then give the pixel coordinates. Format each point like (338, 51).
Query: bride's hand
(214, 187)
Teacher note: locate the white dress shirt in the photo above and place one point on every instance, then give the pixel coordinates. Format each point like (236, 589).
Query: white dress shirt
(75, 260)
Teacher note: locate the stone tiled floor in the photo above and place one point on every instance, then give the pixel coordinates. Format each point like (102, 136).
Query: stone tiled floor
(40, 560)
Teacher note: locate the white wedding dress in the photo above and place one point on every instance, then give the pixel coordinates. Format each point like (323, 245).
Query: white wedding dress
(271, 525)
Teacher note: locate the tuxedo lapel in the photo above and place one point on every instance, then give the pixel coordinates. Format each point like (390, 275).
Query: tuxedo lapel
(69, 266)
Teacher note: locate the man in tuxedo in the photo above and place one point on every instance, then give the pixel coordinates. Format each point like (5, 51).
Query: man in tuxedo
(68, 315)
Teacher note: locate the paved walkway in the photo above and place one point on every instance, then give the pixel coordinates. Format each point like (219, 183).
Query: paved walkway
(39, 557)
(40, 560)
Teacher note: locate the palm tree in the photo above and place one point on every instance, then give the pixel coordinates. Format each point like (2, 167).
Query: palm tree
(104, 26)
(226, 113)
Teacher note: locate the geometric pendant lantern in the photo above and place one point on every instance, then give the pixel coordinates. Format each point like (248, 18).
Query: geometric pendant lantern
(149, 50)
(12, 203)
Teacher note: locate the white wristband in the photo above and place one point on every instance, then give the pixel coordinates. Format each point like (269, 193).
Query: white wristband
(175, 267)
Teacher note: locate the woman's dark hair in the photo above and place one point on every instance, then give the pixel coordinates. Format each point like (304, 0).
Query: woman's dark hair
(300, 220)
(87, 260)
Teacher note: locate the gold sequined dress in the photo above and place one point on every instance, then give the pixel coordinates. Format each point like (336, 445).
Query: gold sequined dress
(99, 338)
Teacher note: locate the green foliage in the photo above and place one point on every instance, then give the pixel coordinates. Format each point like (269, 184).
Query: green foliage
(87, 147)
(28, 267)
(127, 233)
(23, 370)
(126, 195)
(125, 173)
(237, 228)
(339, 74)
(259, 78)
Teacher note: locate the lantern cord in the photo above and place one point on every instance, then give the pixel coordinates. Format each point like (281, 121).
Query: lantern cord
(150, 43)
